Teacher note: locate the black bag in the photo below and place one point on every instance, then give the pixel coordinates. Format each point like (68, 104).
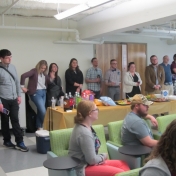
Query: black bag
(30, 117)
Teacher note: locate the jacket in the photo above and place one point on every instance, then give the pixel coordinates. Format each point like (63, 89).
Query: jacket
(33, 80)
(150, 77)
(155, 167)
(128, 82)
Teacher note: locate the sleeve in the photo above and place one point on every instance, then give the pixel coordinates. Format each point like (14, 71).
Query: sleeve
(26, 75)
(60, 82)
(152, 171)
(139, 129)
(140, 80)
(128, 81)
(86, 144)
(88, 74)
(17, 82)
(147, 78)
(162, 75)
(68, 78)
(107, 75)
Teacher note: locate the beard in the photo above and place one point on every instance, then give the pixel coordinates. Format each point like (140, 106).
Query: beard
(142, 113)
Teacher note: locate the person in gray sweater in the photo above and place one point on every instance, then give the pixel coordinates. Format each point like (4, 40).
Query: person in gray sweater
(162, 160)
(84, 145)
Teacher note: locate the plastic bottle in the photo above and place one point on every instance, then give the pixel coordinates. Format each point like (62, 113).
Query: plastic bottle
(61, 101)
(71, 100)
(66, 103)
(74, 99)
(78, 98)
(53, 102)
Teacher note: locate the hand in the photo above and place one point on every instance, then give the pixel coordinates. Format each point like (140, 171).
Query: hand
(152, 119)
(1, 107)
(97, 80)
(138, 84)
(19, 100)
(112, 84)
(78, 89)
(80, 86)
(24, 89)
(52, 75)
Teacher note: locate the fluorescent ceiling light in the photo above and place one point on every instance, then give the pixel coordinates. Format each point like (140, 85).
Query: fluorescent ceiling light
(93, 3)
(71, 11)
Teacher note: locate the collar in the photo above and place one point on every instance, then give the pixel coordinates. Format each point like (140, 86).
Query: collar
(113, 69)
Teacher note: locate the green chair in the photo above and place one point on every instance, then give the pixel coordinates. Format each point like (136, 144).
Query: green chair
(59, 141)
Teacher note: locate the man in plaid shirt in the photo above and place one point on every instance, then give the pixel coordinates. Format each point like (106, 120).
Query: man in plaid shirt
(94, 78)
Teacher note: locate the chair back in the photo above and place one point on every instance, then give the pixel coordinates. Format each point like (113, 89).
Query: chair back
(59, 140)
(164, 121)
(114, 129)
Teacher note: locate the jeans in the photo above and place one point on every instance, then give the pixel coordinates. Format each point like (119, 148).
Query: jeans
(13, 107)
(39, 99)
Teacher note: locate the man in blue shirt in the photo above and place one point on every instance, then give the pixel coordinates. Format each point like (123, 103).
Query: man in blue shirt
(168, 75)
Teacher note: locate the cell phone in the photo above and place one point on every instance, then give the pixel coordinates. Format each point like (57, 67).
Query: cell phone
(5, 111)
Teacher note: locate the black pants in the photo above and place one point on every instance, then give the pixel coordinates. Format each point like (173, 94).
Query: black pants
(13, 107)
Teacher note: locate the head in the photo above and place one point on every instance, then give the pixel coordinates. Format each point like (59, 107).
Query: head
(154, 60)
(5, 56)
(131, 67)
(174, 57)
(113, 63)
(94, 62)
(42, 67)
(73, 65)
(53, 68)
(166, 59)
(86, 110)
(140, 105)
(166, 147)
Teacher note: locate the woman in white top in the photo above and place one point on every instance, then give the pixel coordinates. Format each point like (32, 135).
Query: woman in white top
(132, 81)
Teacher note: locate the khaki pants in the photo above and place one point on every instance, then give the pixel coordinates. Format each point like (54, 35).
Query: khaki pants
(169, 88)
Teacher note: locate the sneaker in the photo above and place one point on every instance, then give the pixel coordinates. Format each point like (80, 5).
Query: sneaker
(9, 144)
(22, 147)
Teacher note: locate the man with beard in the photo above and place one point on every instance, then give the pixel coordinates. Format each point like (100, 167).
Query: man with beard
(154, 77)
(134, 130)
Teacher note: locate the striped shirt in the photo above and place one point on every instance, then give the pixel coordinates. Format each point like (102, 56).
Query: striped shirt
(113, 76)
(93, 73)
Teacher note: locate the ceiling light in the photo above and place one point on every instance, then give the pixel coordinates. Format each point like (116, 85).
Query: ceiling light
(61, 1)
(93, 3)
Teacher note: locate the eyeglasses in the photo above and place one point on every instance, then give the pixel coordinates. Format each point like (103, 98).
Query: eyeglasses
(95, 110)
(7, 57)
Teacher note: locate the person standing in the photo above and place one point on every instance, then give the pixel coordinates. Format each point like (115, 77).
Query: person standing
(173, 71)
(73, 77)
(10, 98)
(154, 77)
(113, 81)
(94, 78)
(38, 81)
(168, 75)
(132, 81)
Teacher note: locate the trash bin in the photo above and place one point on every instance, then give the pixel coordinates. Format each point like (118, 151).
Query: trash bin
(42, 141)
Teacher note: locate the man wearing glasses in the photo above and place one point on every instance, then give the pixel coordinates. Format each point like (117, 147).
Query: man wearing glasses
(113, 81)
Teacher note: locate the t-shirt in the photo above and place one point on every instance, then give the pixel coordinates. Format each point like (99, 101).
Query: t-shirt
(133, 129)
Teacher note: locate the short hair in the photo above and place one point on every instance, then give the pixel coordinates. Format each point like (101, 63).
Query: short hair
(112, 60)
(174, 56)
(83, 110)
(40, 63)
(4, 53)
(129, 64)
(152, 56)
(93, 59)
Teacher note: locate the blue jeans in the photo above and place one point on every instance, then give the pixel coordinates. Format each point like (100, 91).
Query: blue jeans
(39, 99)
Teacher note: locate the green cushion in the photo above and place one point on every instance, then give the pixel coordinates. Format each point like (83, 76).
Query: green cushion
(134, 172)
(164, 121)
(114, 129)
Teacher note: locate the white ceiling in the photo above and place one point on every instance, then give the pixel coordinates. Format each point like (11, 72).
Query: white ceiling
(154, 18)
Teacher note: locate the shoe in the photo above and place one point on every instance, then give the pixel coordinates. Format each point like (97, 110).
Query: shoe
(22, 147)
(9, 144)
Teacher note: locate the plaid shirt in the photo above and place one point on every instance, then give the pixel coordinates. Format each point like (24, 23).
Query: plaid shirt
(93, 73)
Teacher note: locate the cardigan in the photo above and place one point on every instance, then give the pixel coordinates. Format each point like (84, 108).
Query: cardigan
(128, 82)
(33, 80)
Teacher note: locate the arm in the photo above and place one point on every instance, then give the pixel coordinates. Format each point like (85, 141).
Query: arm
(140, 80)
(152, 171)
(152, 119)
(86, 144)
(26, 75)
(147, 141)
(18, 89)
(107, 81)
(88, 80)
(147, 78)
(162, 76)
(128, 80)
(68, 78)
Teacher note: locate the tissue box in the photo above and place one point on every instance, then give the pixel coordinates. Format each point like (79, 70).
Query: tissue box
(164, 94)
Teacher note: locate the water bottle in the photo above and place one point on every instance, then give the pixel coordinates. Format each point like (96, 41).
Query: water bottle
(71, 100)
(78, 98)
(62, 102)
(53, 102)
(74, 100)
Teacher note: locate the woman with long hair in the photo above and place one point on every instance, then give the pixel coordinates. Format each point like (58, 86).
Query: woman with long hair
(36, 89)
(73, 77)
(84, 145)
(132, 81)
(54, 89)
(162, 160)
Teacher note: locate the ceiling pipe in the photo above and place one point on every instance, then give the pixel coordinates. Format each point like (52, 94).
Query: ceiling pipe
(158, 31)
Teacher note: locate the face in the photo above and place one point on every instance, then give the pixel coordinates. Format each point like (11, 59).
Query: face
(94, 113)
(42, 68)
(6, 60)
(142, 110)
(154, 61)
(166, 59)
(74, 64)
(54, 68)
(95, 63)
(132, 68)
(114, 64)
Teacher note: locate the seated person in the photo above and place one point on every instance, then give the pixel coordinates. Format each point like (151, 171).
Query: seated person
(134, 129)
(84, 145)
(161, 161)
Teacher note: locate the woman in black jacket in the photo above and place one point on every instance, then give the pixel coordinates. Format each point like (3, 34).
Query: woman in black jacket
(73, 77)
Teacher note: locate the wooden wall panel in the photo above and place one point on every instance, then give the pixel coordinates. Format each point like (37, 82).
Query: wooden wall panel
(137, 53)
